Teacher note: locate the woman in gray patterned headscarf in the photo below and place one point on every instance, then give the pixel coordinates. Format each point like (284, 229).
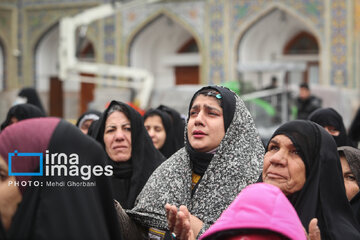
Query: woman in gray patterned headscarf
(223, 154)
(350, 164)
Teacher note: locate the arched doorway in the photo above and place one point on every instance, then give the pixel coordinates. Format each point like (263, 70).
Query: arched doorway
(302, 45)
(46, 71)
(263, 47)
(46, 58)
(168, 50)
(85, 52)
(187, 74)
(61, 94)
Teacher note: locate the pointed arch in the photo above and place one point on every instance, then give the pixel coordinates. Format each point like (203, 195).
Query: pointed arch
(303, 42)
(181, 24)
(252, 21)
(53, 32)
(162, 12)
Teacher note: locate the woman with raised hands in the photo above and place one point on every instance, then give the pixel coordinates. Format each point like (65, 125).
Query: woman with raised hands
(223, 153)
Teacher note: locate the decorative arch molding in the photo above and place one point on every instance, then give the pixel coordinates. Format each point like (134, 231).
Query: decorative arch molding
(38, 20)
(164, 12)
(161, 12)
(251, 21)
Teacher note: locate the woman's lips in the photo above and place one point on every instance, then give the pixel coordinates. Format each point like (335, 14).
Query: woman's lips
(275, 176)
(198, 134)
(119, 147)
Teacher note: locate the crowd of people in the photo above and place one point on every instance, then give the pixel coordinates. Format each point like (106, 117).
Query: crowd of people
(160, 176)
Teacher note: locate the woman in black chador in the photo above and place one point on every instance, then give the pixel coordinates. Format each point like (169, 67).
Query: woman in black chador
(40, 207)
(129, 149)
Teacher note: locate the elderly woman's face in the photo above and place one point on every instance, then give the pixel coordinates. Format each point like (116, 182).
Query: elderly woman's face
(10, 195)
(351, 186)
(206, 124)
(117, 137)
(283, 167)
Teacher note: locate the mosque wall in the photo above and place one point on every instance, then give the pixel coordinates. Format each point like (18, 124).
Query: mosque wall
(217, 26)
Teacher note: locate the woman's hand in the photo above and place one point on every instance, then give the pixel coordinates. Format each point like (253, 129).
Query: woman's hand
(180, 222)
(314, 231)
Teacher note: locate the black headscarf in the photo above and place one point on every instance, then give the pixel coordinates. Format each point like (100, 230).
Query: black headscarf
(56, 212)
(330, 117)
(178, 124)
(323, 194)
(130, 176)
(169, 146)
(21, 112)
(354, 130)
(2, 231)
(90, 114)
(201, 160)
(32, 97)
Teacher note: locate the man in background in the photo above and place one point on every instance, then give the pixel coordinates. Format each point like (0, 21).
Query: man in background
(306, 103)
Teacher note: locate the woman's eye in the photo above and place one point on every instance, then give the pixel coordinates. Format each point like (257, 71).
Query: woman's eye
(2, 177)
(109, 130)
(273, 147)
(193, 113)
(213, 113)
(351, 178)
(295, 152)
(128, 129)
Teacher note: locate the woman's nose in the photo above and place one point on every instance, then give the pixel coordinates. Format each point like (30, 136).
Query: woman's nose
(151, 133)
(199, 120)
(119, 135)
(279, 158)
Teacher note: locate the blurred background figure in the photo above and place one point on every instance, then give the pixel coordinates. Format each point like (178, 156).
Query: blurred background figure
(354, 130)
(249, 217)
(86, 119)
(160, 127)
(29, 95)
(178, 123)
(306, 103)
(20, 112)
(333, 123)
(273, 84)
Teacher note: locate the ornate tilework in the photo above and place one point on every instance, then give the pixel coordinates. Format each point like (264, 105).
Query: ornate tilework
(42, 2)
(216, 43)
(109, 40)
(338, 43)
(191, 13)
(311, 9)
